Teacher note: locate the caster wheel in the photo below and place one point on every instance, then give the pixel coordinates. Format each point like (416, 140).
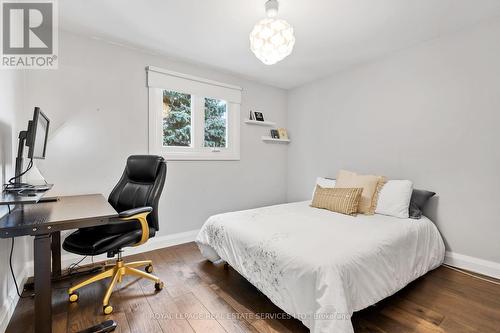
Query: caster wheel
(73, 297)
(159, 286)
(149, 269)
(107, 309)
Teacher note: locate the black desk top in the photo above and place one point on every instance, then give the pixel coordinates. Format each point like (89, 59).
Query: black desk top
(68, 212)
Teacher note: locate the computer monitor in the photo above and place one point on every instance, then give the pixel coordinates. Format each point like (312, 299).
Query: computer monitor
(38, 132)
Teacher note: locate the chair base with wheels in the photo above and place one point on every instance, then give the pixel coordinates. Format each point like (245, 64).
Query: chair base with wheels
(116, 274)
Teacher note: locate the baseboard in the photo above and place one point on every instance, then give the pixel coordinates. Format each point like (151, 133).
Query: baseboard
(473, 264)
(10, 302)
(154, 243)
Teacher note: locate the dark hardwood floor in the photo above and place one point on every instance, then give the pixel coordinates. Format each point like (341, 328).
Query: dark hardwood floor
(201, 297)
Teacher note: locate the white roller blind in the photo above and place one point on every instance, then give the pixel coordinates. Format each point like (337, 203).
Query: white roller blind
(164, 79)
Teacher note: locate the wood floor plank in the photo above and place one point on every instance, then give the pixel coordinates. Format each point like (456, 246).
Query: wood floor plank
(140, 316)
(121, 320)
(179, 278)
(467, 287)
(386, 324)
(459, 307)
(408, 319)
(199, 317)
(85, 313)
(361, 325)
(269, 326)
(451, 325)
(22, 318)
(249, 302)
(418, 310)
(164, 308)
(60, 306)
(166, 312)
(202, 297)
(225, 314)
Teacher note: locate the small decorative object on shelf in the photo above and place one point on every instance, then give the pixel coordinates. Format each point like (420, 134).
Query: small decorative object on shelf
(250, 116)
(282, 133)
(259, 116)
(275, 134)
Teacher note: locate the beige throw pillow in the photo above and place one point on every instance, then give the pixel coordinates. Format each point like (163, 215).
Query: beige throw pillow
(371, 187)
(340, 200)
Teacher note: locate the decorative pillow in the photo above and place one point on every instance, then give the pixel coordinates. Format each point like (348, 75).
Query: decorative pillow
(340, 200)
(418, 200)
(371, 186)
(323, 182)
(394, 198)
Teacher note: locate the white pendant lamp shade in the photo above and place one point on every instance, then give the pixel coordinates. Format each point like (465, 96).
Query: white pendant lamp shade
(272, 39)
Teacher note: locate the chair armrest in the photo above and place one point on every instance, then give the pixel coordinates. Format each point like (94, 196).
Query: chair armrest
(135, 211)
(138, 214)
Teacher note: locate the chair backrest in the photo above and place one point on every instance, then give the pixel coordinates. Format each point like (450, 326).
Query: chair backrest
(140, 185)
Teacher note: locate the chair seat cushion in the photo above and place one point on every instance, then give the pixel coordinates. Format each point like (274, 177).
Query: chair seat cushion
(97, 240)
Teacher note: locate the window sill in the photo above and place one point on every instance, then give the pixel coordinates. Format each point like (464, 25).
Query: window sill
(209, 156)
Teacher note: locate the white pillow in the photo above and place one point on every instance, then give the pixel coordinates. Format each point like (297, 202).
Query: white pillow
(324, 182)
(394, 198)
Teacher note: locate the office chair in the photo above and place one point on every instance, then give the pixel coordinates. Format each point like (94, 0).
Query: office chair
(135, 197)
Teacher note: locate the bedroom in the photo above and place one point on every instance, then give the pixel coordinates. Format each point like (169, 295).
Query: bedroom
(402, 89)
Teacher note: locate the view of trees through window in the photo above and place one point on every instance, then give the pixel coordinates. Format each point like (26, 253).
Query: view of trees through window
(176, 119)
(215, 122)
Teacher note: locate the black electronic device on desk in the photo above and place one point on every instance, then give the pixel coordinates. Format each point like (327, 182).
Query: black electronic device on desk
(35, 138)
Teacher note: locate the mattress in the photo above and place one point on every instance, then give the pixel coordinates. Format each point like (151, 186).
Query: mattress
(319, 266)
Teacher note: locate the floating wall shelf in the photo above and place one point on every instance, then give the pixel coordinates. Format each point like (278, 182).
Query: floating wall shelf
(269, 139)
(259, 123)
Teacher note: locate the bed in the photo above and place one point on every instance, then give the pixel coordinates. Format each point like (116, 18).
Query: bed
(319, 266)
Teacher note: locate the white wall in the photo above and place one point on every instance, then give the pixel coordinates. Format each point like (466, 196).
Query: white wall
(11, 88)
(430, 113)
(98, 105)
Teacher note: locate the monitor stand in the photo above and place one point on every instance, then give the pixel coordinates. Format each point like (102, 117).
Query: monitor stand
(23, 135)
(33, 177)
(29, 194)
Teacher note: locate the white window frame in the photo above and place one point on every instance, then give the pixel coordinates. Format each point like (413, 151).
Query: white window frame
(199, 88)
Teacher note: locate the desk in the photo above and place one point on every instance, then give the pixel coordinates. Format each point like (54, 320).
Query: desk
(44, 221)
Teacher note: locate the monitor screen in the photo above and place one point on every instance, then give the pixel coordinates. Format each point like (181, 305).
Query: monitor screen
(38, 136)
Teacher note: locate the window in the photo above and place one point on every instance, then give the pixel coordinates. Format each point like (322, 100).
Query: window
(192, 118)
(215, 123)
(176, 119)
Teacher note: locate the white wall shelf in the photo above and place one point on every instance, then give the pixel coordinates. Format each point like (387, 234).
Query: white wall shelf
(259, 123)
(269, 139)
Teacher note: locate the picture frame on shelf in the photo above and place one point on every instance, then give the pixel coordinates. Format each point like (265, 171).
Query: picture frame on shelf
(258, 116)
(275, 134)
(282, 133)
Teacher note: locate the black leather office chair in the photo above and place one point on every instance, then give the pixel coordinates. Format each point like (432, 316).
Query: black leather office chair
(136, 198)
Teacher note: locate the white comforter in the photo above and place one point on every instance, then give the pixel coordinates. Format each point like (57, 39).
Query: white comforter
(320, 266)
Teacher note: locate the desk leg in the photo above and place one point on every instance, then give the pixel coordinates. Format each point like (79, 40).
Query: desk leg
(43, 288)
(55, 246)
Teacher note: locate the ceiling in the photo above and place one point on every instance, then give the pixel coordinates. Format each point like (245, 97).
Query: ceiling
(331, 34)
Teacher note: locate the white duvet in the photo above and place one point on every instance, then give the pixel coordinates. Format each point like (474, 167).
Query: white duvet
(320, 266)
